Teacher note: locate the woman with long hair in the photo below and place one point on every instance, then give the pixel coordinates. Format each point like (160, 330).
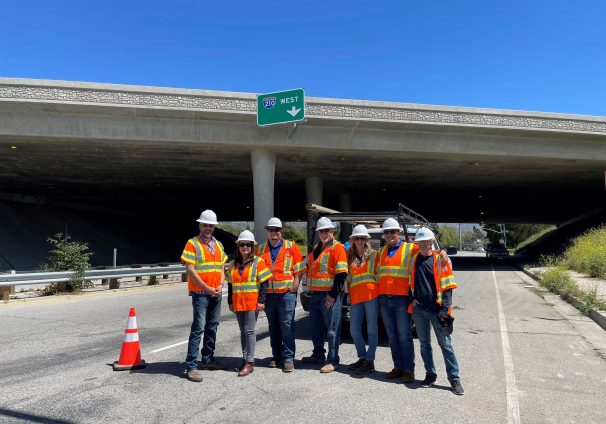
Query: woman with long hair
(247, 289)
(363, 293)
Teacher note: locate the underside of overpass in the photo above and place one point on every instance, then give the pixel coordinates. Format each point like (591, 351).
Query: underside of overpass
(137, 152)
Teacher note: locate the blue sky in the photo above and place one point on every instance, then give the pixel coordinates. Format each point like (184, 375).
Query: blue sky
(518, 54)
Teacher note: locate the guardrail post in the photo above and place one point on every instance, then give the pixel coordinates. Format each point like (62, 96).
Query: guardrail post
(165, 276)
(139, 278)
(5, 291)
(104, 281)
(114, 283)
(184, 277)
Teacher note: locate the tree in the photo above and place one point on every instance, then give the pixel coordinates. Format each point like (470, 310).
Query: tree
(291, 233)
(448, 236)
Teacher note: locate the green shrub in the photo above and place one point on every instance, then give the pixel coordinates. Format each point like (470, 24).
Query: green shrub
(557, 280)
(591, 301)
(68, 255)
(587, 254)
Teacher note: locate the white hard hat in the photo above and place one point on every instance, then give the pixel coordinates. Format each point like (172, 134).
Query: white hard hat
(246, 236)
(391, 224)
(360, 231)
(274, 223)
(324, 223)
(424, 233)
(208, 217)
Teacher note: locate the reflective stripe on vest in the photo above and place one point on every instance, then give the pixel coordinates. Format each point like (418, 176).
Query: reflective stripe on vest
(322, 280)
(201, 265)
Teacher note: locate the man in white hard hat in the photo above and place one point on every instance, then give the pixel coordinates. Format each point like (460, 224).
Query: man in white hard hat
(326, 274)
(394, 300)
(287, 266)
(431, 285)
(204, 259)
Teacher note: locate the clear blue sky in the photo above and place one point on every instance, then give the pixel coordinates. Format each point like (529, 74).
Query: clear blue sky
(540, 55)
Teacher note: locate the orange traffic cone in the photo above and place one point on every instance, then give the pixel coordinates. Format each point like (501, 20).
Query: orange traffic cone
(130, 356)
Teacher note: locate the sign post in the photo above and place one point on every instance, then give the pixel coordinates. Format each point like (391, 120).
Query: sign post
(282, 107)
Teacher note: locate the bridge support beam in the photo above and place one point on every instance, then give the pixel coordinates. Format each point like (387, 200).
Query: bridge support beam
(263, 169)
(314, 187)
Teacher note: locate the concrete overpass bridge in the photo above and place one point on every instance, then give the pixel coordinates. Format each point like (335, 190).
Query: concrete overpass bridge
(148, 151)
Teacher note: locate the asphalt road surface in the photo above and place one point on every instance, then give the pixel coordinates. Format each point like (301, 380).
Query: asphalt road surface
(523, 358)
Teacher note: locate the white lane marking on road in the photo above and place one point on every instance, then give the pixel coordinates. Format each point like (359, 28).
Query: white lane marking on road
(513, 407)
(182, 343)
(169, 347)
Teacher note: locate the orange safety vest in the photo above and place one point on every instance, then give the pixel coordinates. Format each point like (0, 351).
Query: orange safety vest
(442, 276)
(393, 271)
(363, 285)
(288, 263)
(245, 287)
(209, 266)
(321, 271)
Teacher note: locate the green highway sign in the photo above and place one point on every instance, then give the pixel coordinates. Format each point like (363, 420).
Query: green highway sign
(281, 107)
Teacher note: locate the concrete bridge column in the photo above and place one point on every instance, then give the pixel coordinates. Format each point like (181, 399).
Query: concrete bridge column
(263, 168)
(314, 187)
(345, 205)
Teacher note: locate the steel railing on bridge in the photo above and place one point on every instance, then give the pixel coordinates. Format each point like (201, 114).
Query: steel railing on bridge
(7, 280)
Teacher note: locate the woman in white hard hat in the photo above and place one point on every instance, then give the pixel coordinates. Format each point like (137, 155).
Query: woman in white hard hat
(247, 289)
(363, 293)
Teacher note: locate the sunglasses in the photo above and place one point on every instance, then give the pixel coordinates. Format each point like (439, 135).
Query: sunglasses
(249, 245)
(326, 230)
(359, 238)
(390, 232)
(274, 230)
(208, 226)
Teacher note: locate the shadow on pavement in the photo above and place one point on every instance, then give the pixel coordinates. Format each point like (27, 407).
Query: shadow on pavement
(31, 417)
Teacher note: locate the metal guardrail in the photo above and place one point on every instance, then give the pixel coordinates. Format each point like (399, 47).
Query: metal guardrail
(93, 274)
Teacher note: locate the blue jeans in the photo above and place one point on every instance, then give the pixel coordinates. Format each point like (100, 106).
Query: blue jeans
(394, 312)
(280, 311)
(207, 314)
(423, 322)
(325, 324)
(369, 308)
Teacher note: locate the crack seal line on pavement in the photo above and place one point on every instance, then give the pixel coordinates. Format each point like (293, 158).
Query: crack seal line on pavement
(185, 341)
(513, 407)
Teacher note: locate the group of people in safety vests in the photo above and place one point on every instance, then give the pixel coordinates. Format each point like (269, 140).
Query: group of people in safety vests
(401, 280)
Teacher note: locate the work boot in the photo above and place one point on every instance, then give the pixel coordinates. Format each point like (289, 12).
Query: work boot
(246, 369)
(328, 367)
(288, 367)
(429, 380)
(194, 375)
(457, 388)
(366, 367)
(212, 366)
(408, 377)
(356, 364)
(395, 373)
(274, 362)
(312, 360)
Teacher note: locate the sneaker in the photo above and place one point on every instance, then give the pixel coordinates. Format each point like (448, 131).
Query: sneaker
(408, 377)
(457, 388)
(288, 367)
(429, 380)
(395, 373)
(194, 375)
(212, 366)
(312, 360)
(356, 364)
(328, 367)
(366, 367)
